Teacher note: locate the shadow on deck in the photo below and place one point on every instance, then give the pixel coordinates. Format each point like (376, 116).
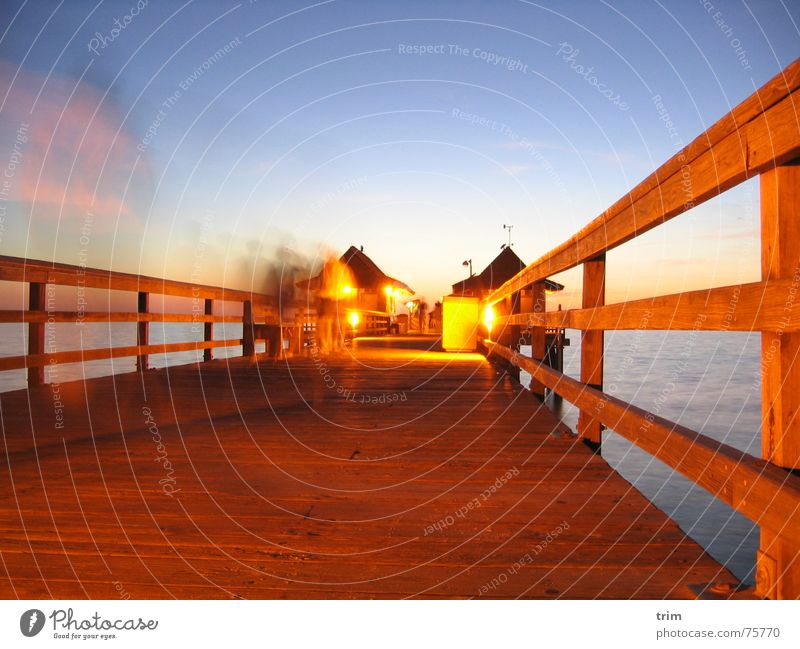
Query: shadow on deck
(393, 470)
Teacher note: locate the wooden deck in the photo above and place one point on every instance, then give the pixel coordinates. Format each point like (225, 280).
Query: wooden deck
(449, 482)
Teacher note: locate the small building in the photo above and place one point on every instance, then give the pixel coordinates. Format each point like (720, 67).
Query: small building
(360, 283)
(466, 297)
(500, 270)
(362, 292)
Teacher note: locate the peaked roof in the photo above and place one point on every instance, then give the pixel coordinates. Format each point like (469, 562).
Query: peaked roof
(366, 274)
(500, 270)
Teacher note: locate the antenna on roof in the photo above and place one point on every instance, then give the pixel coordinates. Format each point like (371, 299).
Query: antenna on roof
(509, 244)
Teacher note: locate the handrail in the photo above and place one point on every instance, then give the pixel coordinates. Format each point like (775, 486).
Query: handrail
(761, 132)
(41, 312)
(761, 136)
(17, 269)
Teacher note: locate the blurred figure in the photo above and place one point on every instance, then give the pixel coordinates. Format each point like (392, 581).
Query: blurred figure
(435, 318)
(335, 283)
(326, 315)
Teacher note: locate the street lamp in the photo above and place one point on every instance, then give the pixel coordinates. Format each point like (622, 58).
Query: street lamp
(468, 262)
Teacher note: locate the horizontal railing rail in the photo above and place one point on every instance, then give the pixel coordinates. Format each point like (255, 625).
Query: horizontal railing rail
(257, 309)
(372, 323)
(760, 137)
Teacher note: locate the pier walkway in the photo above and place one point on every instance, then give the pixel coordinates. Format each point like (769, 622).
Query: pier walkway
(392, 470)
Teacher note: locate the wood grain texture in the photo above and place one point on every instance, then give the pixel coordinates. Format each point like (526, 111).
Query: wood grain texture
(780, 368)
(83, 355)
(354, 475)
(17, 269)
(593, 296)
(757, 306)
(766, 494)
(37, 302)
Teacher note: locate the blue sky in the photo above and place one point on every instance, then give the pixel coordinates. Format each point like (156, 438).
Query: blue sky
(200, 138)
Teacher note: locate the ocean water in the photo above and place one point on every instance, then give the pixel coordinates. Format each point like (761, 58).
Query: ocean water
(707, 381)
(68, 336)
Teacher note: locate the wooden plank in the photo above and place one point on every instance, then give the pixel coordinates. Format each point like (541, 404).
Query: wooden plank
(17, 269)
(37, 301)
(538, 334)
(13, 316)
(778, 571)
(757, 306)
(208, 327)
(287, 489)
(248, 330)
(142, 330)
(780, 260)
(594, 295)
(739, 146)
(767, 495)
(83, 355)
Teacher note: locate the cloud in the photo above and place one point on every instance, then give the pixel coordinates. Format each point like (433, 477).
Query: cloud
(610, 156)
(74, 154)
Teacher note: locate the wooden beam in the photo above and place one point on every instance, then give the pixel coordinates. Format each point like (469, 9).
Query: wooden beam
(248, 332)
(37, 301)
(766, 494)
(760, 132)
(780, 351)
(208, 329)
(17, 269)
(778, 565)
(142, 330)
(108, 316)
(538, 334)
(512, 333)
(594, 295)
(83, 355)
(757, 306)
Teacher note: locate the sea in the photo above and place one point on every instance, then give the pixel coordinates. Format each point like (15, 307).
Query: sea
(706, 381)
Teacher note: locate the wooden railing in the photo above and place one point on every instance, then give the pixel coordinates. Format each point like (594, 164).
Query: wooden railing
(371, 323)
(759, 137)
(256, 309)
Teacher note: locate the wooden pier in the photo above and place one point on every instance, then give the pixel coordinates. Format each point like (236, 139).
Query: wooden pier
(395, 469)
(392, 471)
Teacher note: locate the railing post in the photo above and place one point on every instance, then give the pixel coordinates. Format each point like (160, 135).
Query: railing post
(778, 562)
(298, 327)
(208, 330)
(37, 301)
(538, 334)
(513, 331)
(594, 295)
(248, 334)
(143, 330)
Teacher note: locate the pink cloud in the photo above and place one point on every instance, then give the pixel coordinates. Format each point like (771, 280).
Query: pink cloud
(73, 156)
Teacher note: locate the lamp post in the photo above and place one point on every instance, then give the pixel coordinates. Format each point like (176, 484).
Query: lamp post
(468, 262)
(509, 228)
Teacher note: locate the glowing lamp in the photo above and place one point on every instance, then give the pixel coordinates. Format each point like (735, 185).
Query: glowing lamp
(347, 290)
(353, 319)
(488, 318)
(388, 290)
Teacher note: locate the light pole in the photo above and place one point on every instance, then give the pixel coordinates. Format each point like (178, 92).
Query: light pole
(509, 228)
(468, 262)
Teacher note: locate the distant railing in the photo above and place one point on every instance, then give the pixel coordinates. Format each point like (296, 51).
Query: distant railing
(759, 137)
(370, 323)
(257, 311)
